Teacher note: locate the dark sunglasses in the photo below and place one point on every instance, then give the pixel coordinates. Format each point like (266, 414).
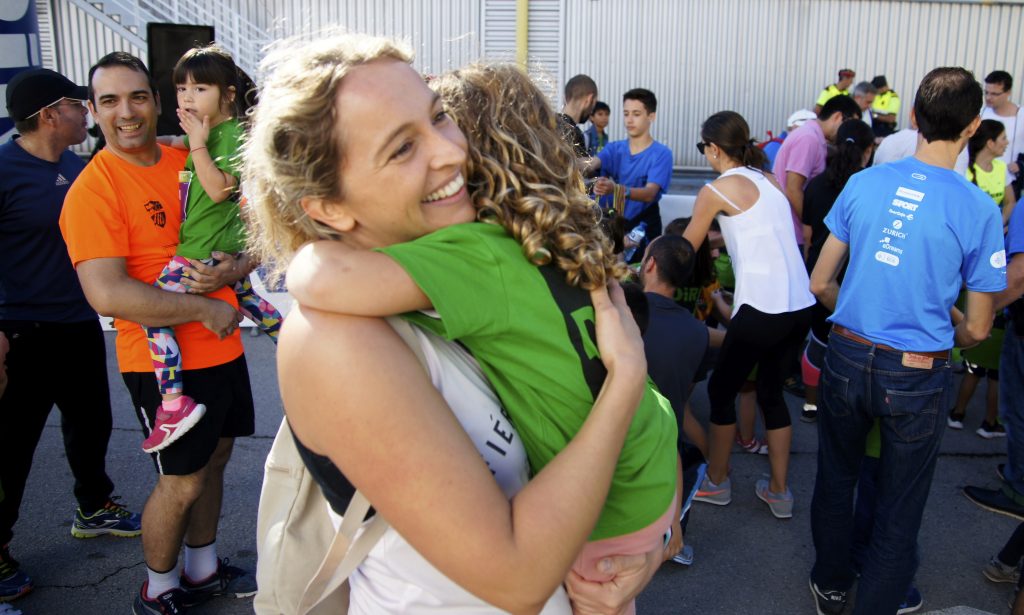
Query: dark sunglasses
(701, 146)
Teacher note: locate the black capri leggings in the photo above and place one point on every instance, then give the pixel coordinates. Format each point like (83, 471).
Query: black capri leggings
(765, 340)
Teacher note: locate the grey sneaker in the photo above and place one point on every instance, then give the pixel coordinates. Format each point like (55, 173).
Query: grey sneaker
(710, 493)
(998, 572)
(685, 556)
(781, 504)
(230, 581)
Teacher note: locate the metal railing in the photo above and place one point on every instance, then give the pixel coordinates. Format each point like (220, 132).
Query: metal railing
(241, 36)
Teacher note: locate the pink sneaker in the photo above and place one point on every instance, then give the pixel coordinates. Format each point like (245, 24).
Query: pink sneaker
(172, 425)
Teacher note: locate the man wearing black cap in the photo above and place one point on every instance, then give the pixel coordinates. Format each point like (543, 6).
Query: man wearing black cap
(43, 310)
(884, 108)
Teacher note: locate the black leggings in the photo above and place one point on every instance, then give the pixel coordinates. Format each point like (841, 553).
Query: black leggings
(764, 340)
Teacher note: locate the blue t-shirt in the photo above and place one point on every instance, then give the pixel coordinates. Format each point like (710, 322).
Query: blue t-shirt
(915, 231)
(654, 164)
(1015, 234)
(37, 281)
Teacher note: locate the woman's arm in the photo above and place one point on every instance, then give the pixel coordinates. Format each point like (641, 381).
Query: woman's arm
(705, 208)
(329, 276)
(354, 392)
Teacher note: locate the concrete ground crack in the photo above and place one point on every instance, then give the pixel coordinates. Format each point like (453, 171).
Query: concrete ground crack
(96, 583)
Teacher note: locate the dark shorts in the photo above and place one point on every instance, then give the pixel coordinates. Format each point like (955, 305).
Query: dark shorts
(223, 389)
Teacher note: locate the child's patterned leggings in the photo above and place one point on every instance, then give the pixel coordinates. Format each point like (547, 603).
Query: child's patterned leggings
(163, 347)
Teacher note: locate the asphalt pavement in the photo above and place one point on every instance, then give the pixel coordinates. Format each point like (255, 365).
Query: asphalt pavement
(746, 560)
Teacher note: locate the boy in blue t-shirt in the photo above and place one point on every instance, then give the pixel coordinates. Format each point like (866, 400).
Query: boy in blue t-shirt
(914, 232)
(639, 164)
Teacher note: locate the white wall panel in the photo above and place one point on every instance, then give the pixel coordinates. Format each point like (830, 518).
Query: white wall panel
(767, 58)
(444, 33)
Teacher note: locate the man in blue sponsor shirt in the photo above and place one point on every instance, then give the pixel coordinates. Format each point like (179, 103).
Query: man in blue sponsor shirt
(914, 231)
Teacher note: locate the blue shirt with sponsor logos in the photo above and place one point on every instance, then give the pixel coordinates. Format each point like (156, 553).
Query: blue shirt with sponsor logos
(653, 164)
(1015, 234)
(915, 232)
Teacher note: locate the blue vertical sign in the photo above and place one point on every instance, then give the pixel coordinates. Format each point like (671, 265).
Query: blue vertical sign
(19, 49)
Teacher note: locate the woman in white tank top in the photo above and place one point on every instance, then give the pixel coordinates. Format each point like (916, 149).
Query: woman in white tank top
(771, 309)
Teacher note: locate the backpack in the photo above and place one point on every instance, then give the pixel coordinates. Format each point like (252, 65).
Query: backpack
(303, 563)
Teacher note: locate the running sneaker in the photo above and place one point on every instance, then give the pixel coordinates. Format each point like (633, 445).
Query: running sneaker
(912, 602)
(809, 414)
(781, 504)
(7, 609)
(998, 572)
(14, 583)
(230, 581)
(753, 445)
(991, 430)
(112, 519)
(995, 500)
(685, 556)
(827, 602)
(171, 602)
(710, 493)
(170, 426)
(955, 421)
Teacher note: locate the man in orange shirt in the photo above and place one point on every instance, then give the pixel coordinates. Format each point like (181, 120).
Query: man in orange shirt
(120, 221)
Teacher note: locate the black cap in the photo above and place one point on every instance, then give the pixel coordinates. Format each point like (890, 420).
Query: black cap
(35, 88)
(880, 82)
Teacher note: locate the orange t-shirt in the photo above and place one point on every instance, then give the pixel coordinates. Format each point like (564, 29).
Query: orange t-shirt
(116, 209)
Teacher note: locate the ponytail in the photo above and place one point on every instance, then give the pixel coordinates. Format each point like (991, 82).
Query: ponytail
(853, 139)
(988, 130)
(753, 156)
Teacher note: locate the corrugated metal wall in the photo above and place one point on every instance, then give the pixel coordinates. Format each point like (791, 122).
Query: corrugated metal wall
(767, 58)
(762, 58)
(444, 33)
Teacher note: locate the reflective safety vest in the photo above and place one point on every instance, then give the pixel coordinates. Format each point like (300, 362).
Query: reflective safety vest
(886, 103)
(829, 93)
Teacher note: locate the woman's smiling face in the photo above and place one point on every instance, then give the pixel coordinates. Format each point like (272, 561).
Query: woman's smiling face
(402, 158)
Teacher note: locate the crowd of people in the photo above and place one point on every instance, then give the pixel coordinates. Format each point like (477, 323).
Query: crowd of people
(528, 370)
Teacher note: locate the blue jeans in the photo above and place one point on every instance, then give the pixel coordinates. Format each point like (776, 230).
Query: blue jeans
(860, 383)
(1011, 410)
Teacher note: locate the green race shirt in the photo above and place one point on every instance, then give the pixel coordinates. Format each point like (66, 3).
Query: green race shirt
(533, 336)
(206, 225)
(993, 182)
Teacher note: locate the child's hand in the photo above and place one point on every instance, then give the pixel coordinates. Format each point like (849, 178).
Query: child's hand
(618, 337)
(198, 130)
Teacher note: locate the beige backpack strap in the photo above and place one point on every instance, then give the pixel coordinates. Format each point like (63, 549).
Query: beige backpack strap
(348, 549)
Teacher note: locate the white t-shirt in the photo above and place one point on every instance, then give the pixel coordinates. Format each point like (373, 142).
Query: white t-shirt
(903, 143)
(394, 578)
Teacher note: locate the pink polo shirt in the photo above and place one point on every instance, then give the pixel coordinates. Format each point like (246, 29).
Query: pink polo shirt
(802, 152)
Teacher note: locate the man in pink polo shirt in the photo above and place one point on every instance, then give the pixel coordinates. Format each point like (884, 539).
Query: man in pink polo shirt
(802, 155)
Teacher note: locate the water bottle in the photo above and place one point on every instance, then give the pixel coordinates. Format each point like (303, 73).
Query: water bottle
(636, 236)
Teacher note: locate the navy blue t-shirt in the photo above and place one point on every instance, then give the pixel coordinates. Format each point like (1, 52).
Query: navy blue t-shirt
(674, 344)
(37, 281)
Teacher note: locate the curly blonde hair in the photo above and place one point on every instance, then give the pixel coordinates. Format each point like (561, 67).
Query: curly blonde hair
(293, 150)
(523, 175)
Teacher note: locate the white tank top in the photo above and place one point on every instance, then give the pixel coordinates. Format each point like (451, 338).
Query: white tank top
(394, 577)
(770, 272)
